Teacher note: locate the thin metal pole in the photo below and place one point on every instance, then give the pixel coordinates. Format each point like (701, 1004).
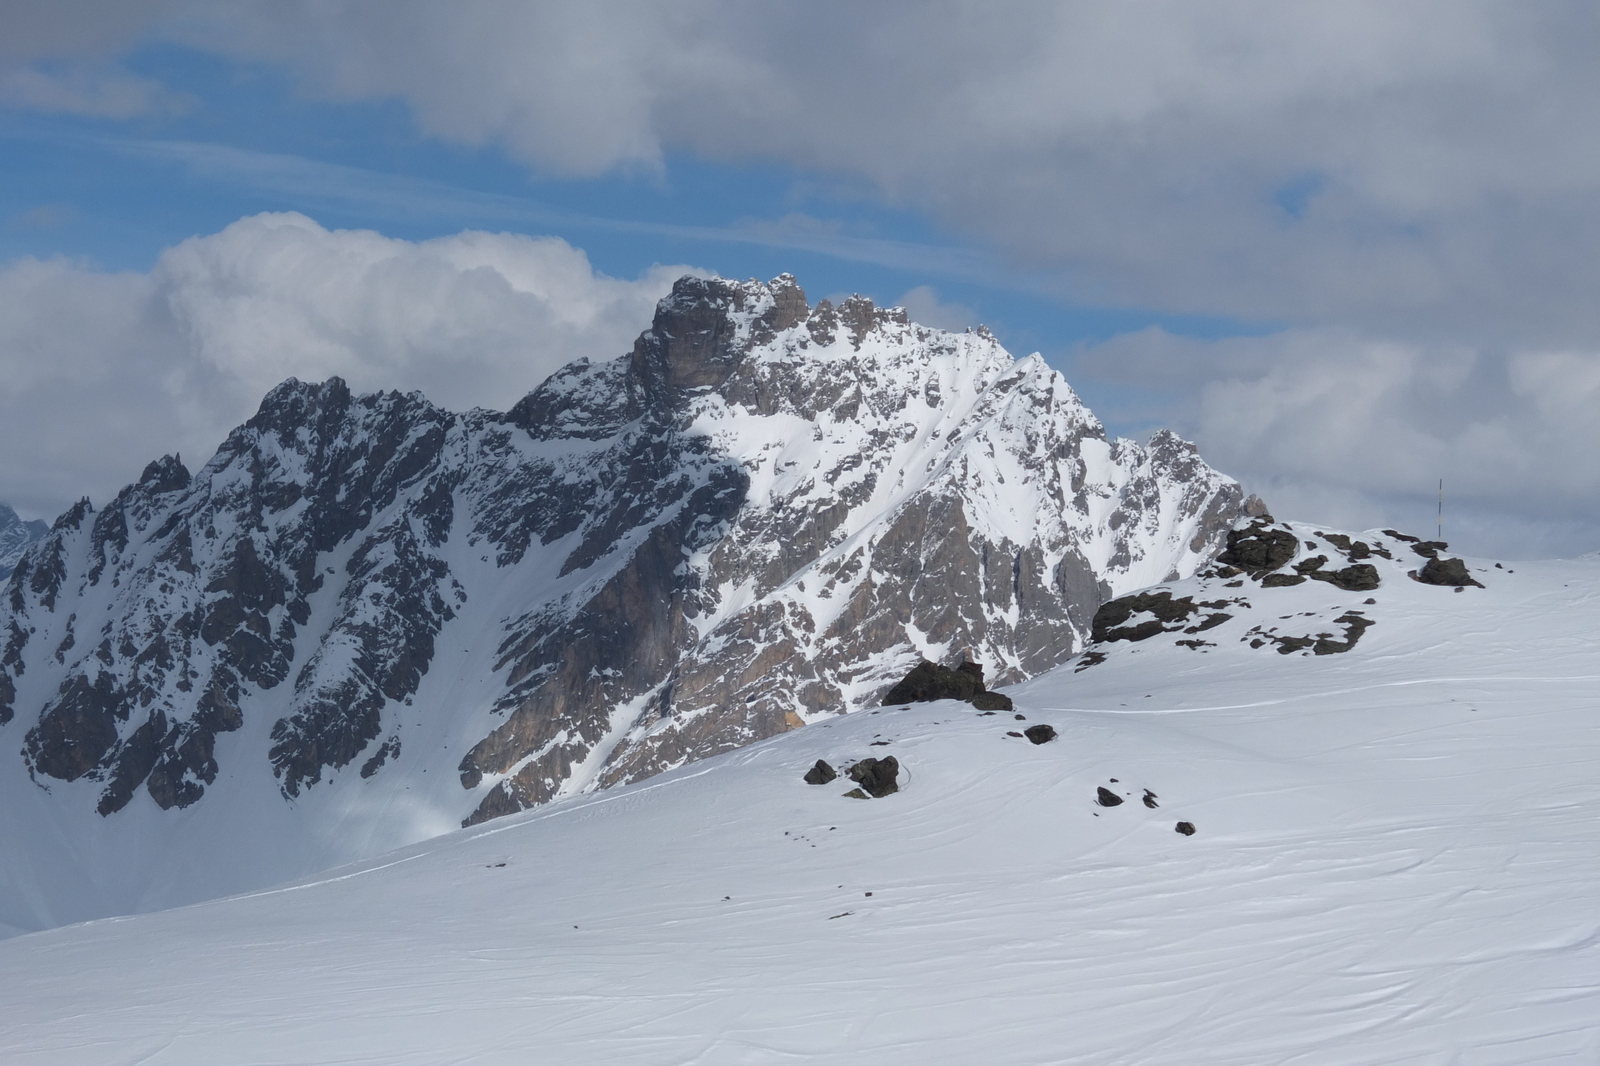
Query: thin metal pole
(1441, 510)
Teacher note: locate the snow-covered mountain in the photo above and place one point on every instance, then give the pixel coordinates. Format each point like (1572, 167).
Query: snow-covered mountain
(367, 620)
(16, 536)
(1395, 860)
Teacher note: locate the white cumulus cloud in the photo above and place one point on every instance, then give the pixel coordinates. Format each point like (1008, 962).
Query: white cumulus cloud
(101, 372)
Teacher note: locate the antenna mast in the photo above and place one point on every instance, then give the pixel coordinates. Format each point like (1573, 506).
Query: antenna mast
(1441, 510)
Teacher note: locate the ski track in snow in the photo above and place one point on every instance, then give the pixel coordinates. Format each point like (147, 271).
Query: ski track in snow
(1397, 862)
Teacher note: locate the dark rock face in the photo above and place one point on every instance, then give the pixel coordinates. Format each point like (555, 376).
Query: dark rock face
(1446, 572)
(1040, 734)
(1107, 798)
(76, 729)
(877, 776)
(929, 681)
(820, 774)
(614, 541)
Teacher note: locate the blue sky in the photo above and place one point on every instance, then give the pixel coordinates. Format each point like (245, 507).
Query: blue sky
(117, 193)
(1347, 250)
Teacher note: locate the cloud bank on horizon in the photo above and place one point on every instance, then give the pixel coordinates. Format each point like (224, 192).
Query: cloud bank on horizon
(1403, 198)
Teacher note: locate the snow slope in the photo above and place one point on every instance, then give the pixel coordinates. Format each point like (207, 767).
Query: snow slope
(1397, 861)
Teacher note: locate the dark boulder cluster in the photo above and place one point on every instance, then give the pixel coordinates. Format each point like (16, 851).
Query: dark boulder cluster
(929, 681)
(876, 778)
(1260, 551)
(1437, 571)
(1104, 797)
(1354, 550)
(1358, 577)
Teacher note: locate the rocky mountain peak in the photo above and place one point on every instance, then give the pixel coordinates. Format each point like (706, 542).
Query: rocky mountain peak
(166, 474)
(16, 537)
(758, 518)
(705, 326)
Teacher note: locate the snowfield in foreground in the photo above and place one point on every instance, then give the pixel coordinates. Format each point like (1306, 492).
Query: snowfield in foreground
(1397, 861)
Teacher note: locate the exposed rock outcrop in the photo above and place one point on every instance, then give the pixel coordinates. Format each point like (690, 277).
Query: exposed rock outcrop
(1438, 571)
(930, 681)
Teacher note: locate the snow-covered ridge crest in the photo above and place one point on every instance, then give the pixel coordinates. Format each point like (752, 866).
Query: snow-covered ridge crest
(758, 517)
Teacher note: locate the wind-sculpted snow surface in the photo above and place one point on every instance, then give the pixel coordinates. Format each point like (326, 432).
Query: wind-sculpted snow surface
(366, 618)
(1394, 860)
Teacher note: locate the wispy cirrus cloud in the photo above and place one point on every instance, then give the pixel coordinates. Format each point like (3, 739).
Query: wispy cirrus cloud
(317, 183)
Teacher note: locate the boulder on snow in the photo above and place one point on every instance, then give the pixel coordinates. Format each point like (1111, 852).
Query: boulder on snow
(1446, 572)
(820, 774)
(1040, 734)
(1186, 828)
(1150, 799)
(1107, 798)
(930, 681)
(877, 776)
